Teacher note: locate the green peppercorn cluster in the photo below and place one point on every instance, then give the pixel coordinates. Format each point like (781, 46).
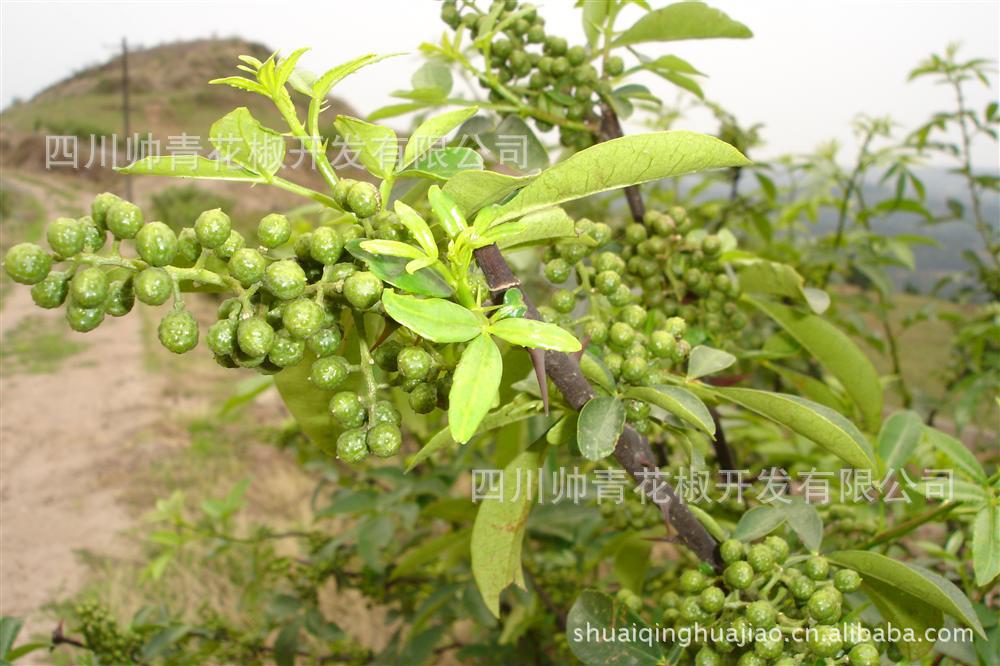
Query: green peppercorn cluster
(109, 643)
(529, 65)
(631, 514)
(764, 588)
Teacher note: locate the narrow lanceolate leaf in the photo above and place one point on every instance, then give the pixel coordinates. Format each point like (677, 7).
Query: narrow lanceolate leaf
(957, 452)
(706, 361)
(600, 425)
(822, 425)
(498, 533)
(986, 545)
(472, 190)
(376, 145)
(618, 163)
(417, 227)
(474, 388)
(904, 611)
(392, 249)
(758, 521)
(538, 227)
(325, 83)
(443, 163)
(899, 438)
(836, 352)
(394, 270)
(683, 20)
(186, 166)
(241, 83)
(436, 319)
(680, 402)
(432, 130)
(535, 334)
(240, 139)
(596, 610)
(447, 212)
(805, 521)
(932, 588)
(759, 276)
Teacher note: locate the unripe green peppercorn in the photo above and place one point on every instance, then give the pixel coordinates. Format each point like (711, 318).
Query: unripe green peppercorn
(761, 558)
(254, 336)
(423, 398)
(864, 654)
(231, 246)
(302, 318)
(597, 331)
(817, 568)
(778, 546)
(824, 640)
(153, 286)
(414, 363)
(329, 372)
(273, 230)
(124, 219)
(614, 65)
(188, 249)
(89, 287)
(221, 337)
(285, 279)
(325, 342)
(212, 228)
(351, 447)
(363, 199)
(247, 266)
(156, 243)
(27, 263)
(286, 351)
(347, 409)
(847, 580)
(120, 299)
(178, 331)
(384, 440)
(65, 236)
(362, 290)
(326, 246)
(712, 599)
(693, 581)
(51, 292)
(607, 282)
(557, 271)
(101, 205)
(738, 575)
(801, 587)
(83, 319)
(825, 605)
(634, 369)
(761, 614)
(621, 335)
(731, 551)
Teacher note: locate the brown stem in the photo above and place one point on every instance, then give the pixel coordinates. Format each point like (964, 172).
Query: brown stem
(632, 451)
(547, 600)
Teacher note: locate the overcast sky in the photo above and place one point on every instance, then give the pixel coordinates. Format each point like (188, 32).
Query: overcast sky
(809, 69)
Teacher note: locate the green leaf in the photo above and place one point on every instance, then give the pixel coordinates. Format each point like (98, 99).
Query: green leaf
(376, 145)
(393, 110)
(683, 20)
(432, 130)
(594, 13)
(187, 166)
(389, 248)
(163, 640)
(433, 75)
(837, 353)
(899, 438)
(443, 163)
(986, 545)
(597, 611)
(955, 451)
(805, 521)
(632, 562)
(286, 645)
(682, 81)
(911, 579)
(672, 63)
(498, 533)
(759, 276)
(904, 611)
(417, 227)
(425, 282)
(474, 388)
(10, 627)
(240, 139)
(678, 401)
(241, 83)
(813, 421)
(472, 190)
(446, 211)
(618, 163)
(543, 225)
(535, 334)
(514, 143)
(600, 425)
(810, 387)
(325, 83)
(307, 404)
(436, 319)
(706, 361)
(428, 551)
(757, 522)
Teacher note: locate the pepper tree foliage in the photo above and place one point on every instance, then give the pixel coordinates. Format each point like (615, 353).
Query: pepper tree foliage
(397, 317)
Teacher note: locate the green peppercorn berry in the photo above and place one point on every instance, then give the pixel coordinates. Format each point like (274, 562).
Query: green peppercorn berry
(212, 228)
(621, 335)
(576, 55)
(89, 287)
(681, 351)
(329, 372)
(347, 409)
(864, 654)
(153, 286)
(596, 331)
(362, 290)
(731, 551)
(824, 640)
(633, 315)
(27, 263)
(786, 661)
(691, 612)
(693, 581)
(231, 246)
(769, 648)
(285, 279)
(120, 299)
(247, 266)
(414, 363)
(608, 261)
(662, 344)
(676, 326)
(363, 200)
(557, 271)
(712, 599)
(254, 336)
(801, 587)
(761, 558)
(124, 219)
(325, 342)
(634, 369)
(286, 351)
(635, 233)
(188, 248)
(825, 605)
(351, 446)
(384, 412)
(607, 282)
(302, 318)
(423, 398)
(340, 191)
(621, 297)
(555, 45)
(817, 568)
(706, 656)
(101, 205)
(847, 580)
(750, 659)
(178, 331)
(273, 230)
(778, 546)
(83, 319)
(221, 337)
(384, 440)
(761, 614)
(156, 243)
(614, 65)
(563, 301)
(51, 292)
(738, 575)
(65, 236)
(326, 246)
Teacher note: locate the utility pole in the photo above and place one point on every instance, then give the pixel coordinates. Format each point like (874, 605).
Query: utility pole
(125, 120)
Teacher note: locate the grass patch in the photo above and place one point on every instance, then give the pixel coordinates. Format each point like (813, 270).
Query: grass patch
(38, 345)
